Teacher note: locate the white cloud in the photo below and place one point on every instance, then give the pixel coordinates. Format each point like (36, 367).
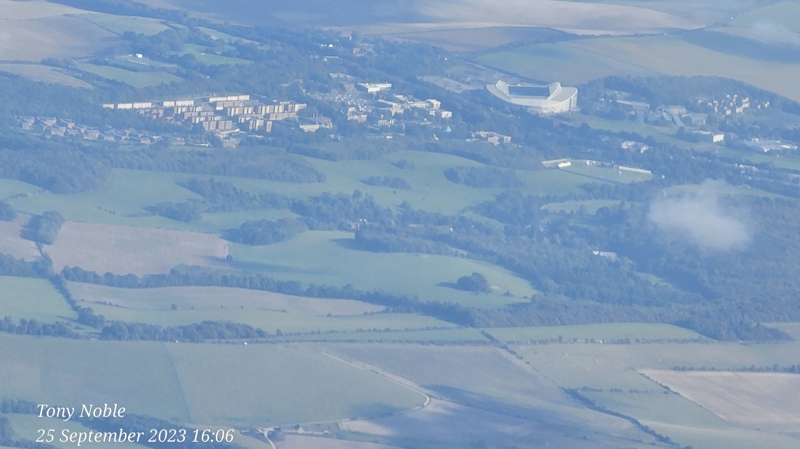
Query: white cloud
(699, 217)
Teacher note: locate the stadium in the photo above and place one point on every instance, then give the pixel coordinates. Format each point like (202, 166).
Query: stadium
(541, 99)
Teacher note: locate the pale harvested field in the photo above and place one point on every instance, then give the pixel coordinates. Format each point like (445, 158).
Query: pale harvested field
(45, 74)
(123, 250)
(56, 36)
(765, 401)
(27, 10)
(213, 297)
(388, 17)
(300, 442)
(12, 243)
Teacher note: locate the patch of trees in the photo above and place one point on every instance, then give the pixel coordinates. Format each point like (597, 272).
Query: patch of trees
(387, 181)
(250, 162)
(264, 232)
(11, 266)
(34, 327)
(395, 241)
(186, 212)
(348, 149)
(55, 166)
(474, 282)
(195, 333)
(7, 213)
(404, 164)
(487, 177)
(340, 211)
(43, 228)
(222, 196)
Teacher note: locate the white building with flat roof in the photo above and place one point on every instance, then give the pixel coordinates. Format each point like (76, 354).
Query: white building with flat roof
(542, 99)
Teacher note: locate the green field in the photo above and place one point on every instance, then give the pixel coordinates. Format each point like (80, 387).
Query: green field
(139, 375)
(193, 383)
(135, 79)
(164, 298)
(325, 257)
(121, 24)
(579, 61)
(271, 321)
(614, 366)
(120, 201)
(277, 385)
(226, 37)
(12, 188)
(32, 299)
(442, 336)
(203, 56)
(605, 332)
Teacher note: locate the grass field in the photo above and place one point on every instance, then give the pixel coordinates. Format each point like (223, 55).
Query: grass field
(135, 79)
(761, 401)
(45, 74)
(11, 188)
(32, 299)
(441, 336)
(605, 332)
(575, 62)
(614, 366)
(124, 250)
(226, 37)
(430, 190)
(194, 383)
(271, 321)
(278, 385)
(139, 375)
(325, 257)
(202, 55)
(215, 297)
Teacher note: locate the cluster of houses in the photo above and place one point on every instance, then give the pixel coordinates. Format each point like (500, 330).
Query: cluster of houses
(54, 126)
(223, 114)
(376, 106)
(731, 104)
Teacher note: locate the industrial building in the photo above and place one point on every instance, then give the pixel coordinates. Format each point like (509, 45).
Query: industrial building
(540, 99)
